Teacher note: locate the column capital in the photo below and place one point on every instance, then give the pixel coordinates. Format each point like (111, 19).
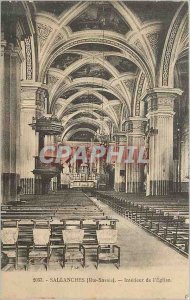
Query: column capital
(120, 137)
(31, 95)
(30, 84)
(28, 95)
(136, 126)
(161, 100)
(137, 119)
(12, 50)
(162, 91)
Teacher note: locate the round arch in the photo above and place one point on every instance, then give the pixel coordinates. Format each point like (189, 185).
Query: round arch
(130, 54)
(73, 131)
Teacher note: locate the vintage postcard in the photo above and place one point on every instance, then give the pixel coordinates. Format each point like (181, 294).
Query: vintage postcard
(94, 150)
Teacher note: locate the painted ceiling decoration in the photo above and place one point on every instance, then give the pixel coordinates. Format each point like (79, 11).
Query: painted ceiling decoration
(68, 93)
(83, 125)
(89, 99)
(147, 11)
(122, 64)
(97, 58)
(54, 7)
(82, 136)
(96, 47)
(91, 70)
(65, 60)
(107, 94)
(100, 16)
(69, 111)
(101, 113)
(83, 114)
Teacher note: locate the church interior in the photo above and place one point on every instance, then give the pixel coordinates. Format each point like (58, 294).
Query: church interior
(104, 73)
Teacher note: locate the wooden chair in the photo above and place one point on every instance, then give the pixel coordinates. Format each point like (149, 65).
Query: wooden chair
(9, 238)
(74, 249)
(107, 239)
(41, 223)
(9, 223)
(40, 250)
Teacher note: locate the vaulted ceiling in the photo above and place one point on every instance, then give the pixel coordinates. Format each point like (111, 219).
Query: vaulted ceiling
(98, 58)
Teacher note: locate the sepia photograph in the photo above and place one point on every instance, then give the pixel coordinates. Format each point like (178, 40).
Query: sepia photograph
(94, 150)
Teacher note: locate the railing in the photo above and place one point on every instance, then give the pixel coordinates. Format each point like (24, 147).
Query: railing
(32, 186)
(51, 125)
(28, 185)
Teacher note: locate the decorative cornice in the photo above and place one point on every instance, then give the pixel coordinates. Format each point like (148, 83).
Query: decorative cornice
(161, 114)
(31, 84)
(133, 119)
(135, 126)
(163, 91)
(161, 100)
(12, 50)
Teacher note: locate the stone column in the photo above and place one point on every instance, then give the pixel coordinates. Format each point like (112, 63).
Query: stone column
(10, 111)
(29, 139)
(135, 169)
(120, 139)
(184, 160)
(117, 177)
(98, 166)
(160, 108)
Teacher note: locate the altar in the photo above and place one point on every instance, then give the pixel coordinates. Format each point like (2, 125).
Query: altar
(83, 184)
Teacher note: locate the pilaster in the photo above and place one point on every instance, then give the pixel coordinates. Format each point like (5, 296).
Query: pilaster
(11, 57)
(135, 170)
(29, 140)
(120, 139)
(160, 112)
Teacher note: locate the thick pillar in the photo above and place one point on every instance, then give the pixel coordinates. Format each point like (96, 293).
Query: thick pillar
(10, 115)
(160, 108)
(120, 139)
(98, 166)
(135, 169)
(184, 165)
(117, 177)
(28, 137)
